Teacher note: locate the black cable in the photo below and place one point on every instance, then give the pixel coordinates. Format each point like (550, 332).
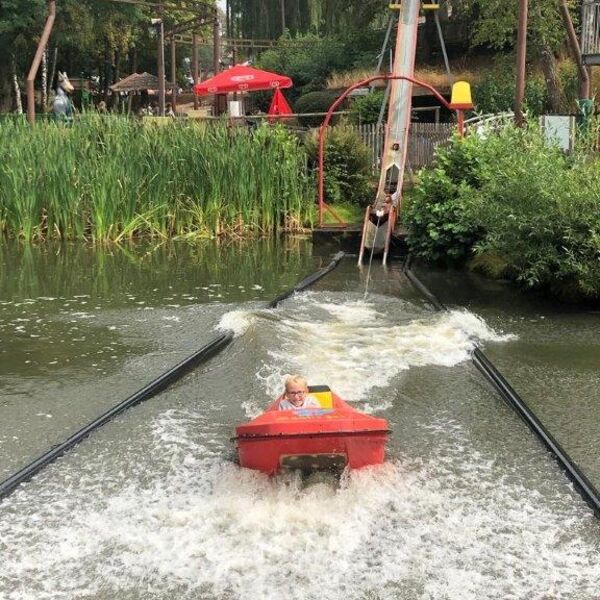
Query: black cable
(308, 281)
(147, 392)
(583, 485)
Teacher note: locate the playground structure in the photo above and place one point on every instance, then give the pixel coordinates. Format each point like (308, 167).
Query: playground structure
(393, 159)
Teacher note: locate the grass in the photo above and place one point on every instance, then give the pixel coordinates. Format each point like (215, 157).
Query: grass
(435, 76)
(111, 178)
(349, 213)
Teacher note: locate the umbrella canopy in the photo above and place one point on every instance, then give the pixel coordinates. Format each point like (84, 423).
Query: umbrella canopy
(279, 105)
(241, 79)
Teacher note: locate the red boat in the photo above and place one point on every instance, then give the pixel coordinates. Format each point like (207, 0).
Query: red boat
(330, 437)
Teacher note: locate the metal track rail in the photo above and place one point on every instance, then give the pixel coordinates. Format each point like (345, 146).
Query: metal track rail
(159, 384)
(310, 280)
(582, 484)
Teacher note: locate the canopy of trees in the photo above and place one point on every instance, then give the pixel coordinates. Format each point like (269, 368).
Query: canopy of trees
(105, 38)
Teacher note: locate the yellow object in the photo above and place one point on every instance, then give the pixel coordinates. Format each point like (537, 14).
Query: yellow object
(395, 6)
(323, 394)
(461, 96)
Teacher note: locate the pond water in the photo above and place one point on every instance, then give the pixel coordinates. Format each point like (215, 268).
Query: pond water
(469, 505)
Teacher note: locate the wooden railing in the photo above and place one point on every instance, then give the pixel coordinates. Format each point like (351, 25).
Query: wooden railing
(423, 138)
(590, 31)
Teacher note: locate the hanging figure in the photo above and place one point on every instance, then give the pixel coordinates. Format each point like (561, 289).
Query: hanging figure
(63, 107)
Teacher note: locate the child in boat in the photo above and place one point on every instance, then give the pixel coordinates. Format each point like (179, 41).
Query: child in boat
(380, 210)
(296, 395)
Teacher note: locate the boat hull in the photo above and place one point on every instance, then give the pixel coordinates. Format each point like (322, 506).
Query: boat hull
(312, 439)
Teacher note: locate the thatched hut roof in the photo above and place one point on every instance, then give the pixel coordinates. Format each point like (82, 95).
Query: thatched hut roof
(136, 82)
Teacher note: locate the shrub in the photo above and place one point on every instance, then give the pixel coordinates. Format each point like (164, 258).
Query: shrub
(439, 214)
(495, 93)
(365, 110)
(311, 61)
(347, 165)
(314, 102)
(540, 213)
(518, 205)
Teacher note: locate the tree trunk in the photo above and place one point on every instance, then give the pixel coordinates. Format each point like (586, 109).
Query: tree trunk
(116, 76)
(550, 71)
(16, 87)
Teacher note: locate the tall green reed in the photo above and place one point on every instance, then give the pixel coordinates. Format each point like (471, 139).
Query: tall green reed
(109, 178)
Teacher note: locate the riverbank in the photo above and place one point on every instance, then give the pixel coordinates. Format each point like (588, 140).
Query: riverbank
(511, 205)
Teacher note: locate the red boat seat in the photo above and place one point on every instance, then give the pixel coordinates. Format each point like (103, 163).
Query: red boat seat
(323, 394)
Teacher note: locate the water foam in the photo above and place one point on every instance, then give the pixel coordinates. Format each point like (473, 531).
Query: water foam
(200, 527)
(358, 346)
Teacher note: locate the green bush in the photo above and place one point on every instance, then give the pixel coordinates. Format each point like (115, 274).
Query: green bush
(365, 110)
(439, 214)
(516, 205)
(310, 62)
(314, 102)
(347, 165)
(495, 93)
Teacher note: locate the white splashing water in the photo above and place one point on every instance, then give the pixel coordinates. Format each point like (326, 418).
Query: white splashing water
(354, 347)
(237, 321)
(208, 529)
(189, 524)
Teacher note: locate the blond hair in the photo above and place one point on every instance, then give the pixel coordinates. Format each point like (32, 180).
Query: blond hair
(297, 379)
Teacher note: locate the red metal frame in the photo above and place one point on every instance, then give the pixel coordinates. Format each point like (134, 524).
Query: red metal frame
(322, 204)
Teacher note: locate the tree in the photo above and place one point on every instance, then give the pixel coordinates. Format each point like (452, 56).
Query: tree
(495, 24)
(94, 37)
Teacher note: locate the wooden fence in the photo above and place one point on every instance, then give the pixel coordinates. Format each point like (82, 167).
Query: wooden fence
(423, 138)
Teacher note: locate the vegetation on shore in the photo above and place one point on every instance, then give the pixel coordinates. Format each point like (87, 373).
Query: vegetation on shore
(512, 205)
(109, 178)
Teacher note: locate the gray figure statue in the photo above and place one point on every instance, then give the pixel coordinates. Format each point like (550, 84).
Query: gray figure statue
(63, 107)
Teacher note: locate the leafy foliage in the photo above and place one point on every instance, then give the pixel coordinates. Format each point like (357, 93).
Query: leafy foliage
(365, 110)
(347, 165)
(314, 102)
(263, 18)
(308, 64)
(439, 212)
(517, 203)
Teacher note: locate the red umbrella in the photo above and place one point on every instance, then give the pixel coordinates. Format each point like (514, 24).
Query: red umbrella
(241, 79)
(279, 106)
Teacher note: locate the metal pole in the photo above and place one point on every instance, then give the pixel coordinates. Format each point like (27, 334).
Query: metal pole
(35, 65)
(438, 25)
(173, 74)
(161, 68)
(195, 73)
(584, 78)
(521, 56)
(216, 58)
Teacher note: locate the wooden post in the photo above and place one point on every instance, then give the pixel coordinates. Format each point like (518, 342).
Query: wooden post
(173, 74)
(521, 59)
(584, 77)
(161, 67)
(195, 70)
(35, 65)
